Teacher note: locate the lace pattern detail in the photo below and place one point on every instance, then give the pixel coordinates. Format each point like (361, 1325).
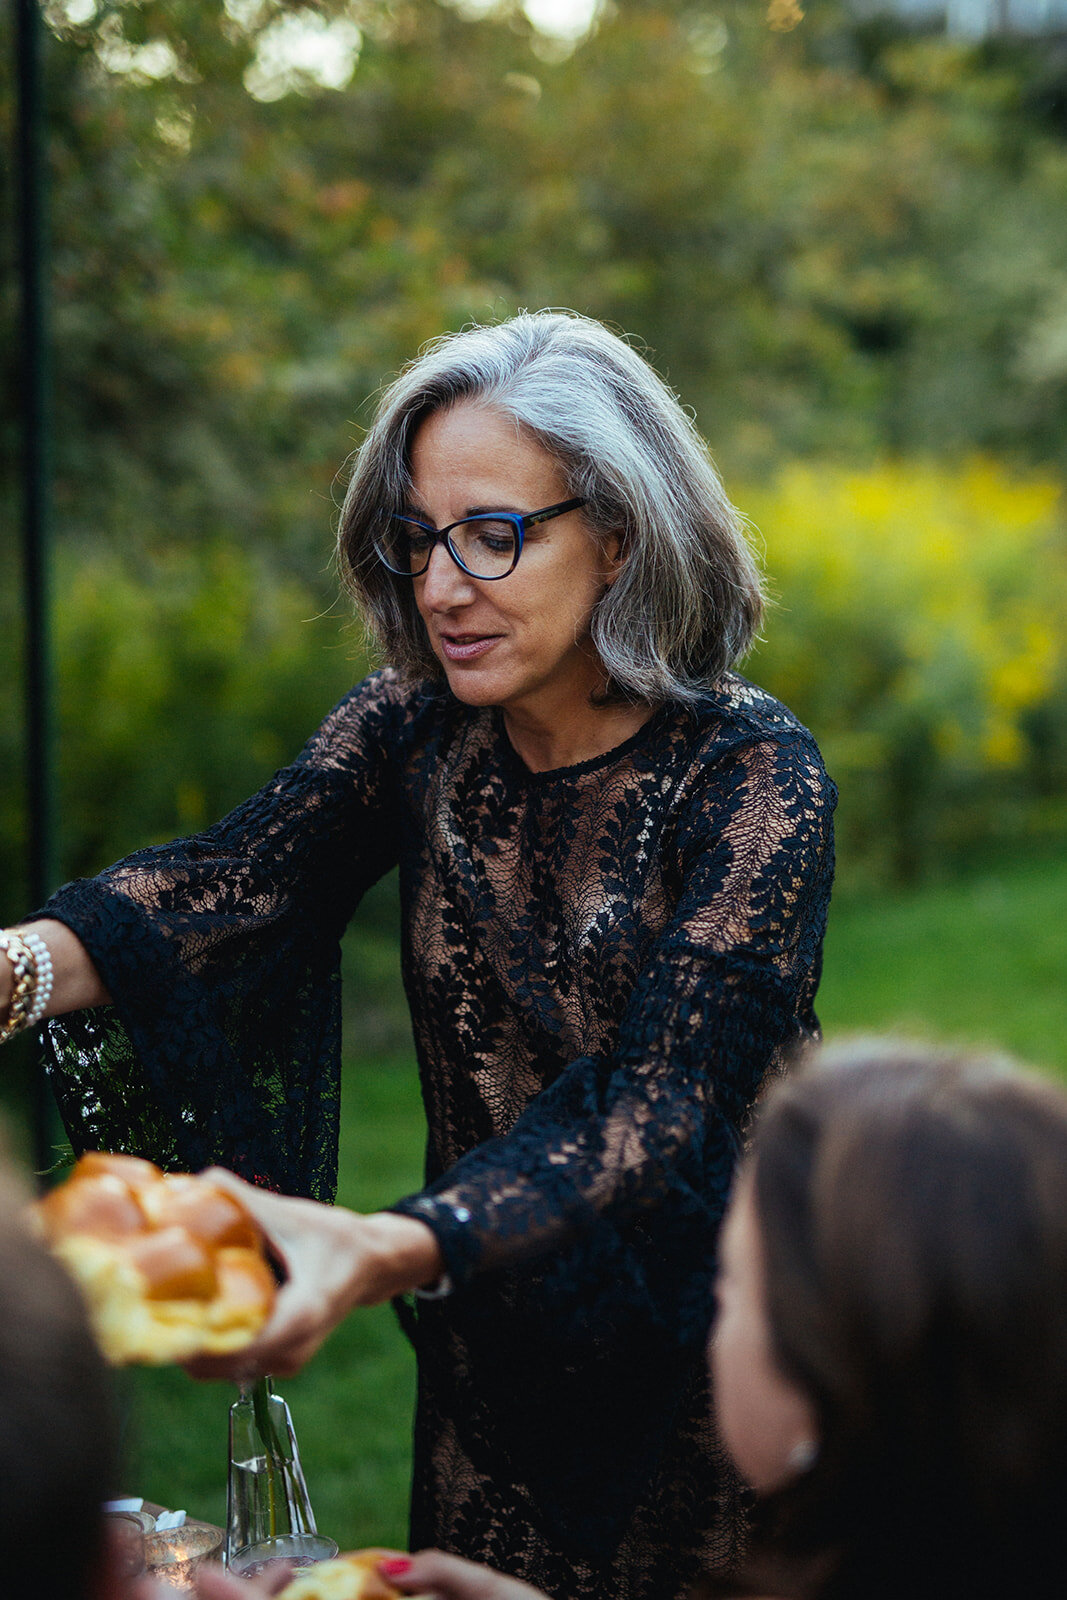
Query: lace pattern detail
(603, 965)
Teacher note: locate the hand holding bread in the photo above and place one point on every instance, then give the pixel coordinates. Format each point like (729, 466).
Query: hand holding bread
(444, 1577)
(171, 1265)
(356, 1575)
(174, 1267)
(333, 1260)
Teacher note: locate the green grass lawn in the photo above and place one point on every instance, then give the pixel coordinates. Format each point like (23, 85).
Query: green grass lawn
(981, 961)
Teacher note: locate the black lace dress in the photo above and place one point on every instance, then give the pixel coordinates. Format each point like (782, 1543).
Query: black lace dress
(603, 964)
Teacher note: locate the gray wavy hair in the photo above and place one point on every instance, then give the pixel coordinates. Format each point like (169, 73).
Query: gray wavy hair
(687, 601)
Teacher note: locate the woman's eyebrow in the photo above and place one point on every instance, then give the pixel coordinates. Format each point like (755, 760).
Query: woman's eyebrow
(488, 510)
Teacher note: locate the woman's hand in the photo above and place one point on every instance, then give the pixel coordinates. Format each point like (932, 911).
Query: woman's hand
(432, 1572)
(76, 982)
(333, 1260)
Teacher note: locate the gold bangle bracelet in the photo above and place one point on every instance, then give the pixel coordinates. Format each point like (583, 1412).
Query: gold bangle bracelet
(24, 966)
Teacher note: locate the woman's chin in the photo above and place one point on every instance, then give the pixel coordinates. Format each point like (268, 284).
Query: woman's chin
(472, 687)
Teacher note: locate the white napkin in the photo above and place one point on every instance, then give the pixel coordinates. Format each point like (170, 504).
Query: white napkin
(169, 1519)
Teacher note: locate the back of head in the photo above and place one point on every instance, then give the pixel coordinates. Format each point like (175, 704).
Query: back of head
(57, 1456)
(913, 1212)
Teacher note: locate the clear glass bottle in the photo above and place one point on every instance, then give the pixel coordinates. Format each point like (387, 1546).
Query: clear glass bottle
(266, 1495)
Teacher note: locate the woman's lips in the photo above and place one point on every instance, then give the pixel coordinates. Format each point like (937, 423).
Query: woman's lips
(466, 646)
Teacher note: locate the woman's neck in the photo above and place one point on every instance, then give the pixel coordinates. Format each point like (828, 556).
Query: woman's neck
(586, 733)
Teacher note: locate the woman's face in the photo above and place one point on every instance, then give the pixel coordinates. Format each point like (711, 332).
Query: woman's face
(521, 642)
(767, 1424)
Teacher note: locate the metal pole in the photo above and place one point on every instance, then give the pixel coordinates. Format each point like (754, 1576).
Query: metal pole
(36, 415)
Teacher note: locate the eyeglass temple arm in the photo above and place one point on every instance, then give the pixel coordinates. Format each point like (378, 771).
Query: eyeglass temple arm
(535, 517)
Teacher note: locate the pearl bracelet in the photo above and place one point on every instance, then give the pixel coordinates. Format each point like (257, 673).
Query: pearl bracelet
(45, 976)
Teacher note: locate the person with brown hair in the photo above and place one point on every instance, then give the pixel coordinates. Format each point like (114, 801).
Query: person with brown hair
(890, 1349)
(59, 1455)
(900, 1234)
(58, 1434)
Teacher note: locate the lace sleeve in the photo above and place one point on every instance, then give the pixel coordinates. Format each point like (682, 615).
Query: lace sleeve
(221, 956)
(635, 1143)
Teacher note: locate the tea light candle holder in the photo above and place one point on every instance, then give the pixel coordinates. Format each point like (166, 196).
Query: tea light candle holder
(173, 1556)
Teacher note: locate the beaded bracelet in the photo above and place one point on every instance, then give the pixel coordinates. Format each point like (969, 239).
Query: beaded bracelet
(45, 975)
(24, 994)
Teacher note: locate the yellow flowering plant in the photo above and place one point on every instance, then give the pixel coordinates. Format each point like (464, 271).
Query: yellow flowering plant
(918, 628)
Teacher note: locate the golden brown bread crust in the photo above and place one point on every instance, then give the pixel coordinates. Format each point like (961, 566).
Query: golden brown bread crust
(352, 1576)
(171, 1265)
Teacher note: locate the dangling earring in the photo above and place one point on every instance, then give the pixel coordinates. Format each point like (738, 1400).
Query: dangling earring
(803, 1456)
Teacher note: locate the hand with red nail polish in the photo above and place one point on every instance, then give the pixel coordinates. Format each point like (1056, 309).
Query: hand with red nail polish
(431, 1572)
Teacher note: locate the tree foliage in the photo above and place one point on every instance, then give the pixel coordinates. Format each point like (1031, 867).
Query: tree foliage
(839, 243)
(831, 242)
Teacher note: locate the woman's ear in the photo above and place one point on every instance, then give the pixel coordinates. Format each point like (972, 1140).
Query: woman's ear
(613, 556)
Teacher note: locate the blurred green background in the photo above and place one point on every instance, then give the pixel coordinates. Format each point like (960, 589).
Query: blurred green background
(843, 242)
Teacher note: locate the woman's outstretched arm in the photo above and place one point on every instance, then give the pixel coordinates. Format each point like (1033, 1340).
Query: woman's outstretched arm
(220, 954)
(76, 981)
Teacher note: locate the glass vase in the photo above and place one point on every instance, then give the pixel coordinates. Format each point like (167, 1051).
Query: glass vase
(266, 1496)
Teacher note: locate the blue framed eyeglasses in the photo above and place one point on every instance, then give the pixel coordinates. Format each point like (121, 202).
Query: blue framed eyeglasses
(485, 547)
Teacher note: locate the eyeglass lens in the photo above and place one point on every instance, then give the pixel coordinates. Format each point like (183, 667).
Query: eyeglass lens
(485, 546)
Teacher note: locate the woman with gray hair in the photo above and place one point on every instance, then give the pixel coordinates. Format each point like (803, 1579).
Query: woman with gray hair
(615, 861)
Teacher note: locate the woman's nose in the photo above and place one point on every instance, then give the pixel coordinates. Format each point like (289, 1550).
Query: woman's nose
(444, 584)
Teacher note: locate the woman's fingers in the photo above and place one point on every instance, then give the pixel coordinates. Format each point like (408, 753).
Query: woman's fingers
(302, 1319)
(319, 1249)
(272, 1213)
(450, 1578)
(333, 1259)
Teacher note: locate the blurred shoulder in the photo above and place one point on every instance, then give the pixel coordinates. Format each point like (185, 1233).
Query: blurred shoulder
(383, 710)
(386, 694)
